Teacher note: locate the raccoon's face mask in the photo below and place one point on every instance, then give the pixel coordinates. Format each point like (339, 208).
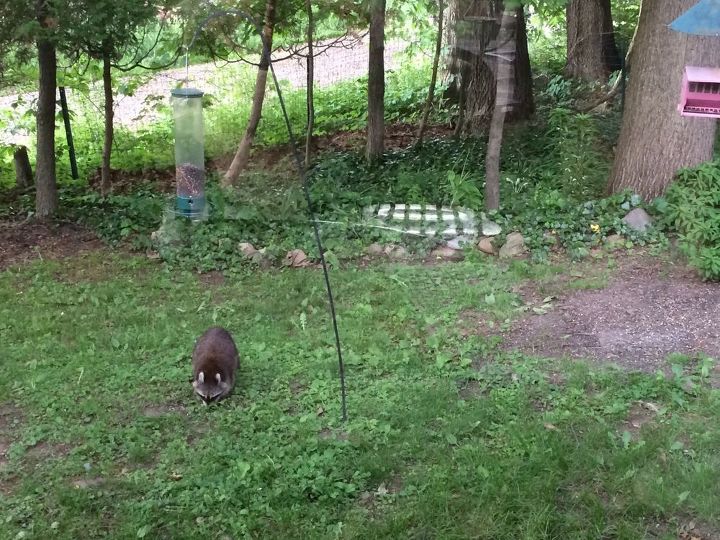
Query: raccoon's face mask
(211, 389)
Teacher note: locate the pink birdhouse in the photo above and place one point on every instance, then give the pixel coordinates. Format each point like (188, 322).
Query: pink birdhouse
(700, 94)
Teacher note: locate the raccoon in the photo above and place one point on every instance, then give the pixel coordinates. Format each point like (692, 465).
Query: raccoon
(214, 362)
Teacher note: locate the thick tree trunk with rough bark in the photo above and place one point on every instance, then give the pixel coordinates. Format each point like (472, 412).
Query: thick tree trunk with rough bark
(105, 181)
(473, 27)
(242, 155)
(23, 169)
(655, 141)
(376, 82)
(504, 98)
(46, 196)
(591, 50)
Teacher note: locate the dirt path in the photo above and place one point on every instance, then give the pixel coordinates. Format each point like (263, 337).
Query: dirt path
(24, 243)
(649, 309)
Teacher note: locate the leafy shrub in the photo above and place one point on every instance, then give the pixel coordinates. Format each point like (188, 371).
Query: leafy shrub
(693, 209)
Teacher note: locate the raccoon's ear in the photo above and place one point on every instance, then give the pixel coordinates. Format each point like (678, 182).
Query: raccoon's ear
(201, 377)
(218, 378)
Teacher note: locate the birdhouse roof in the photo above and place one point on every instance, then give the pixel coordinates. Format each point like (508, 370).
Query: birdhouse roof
(703, 19)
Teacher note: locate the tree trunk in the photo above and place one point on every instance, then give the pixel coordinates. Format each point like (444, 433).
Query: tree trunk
(433, 77)
(46, 196)
(376, 82)
(655, 141)
(611, 55)
(242, 155)
(23, 170)
(523, 103)
(586, 20)
(473, 26)
(506, 48)
(105, 181)
(310, 85)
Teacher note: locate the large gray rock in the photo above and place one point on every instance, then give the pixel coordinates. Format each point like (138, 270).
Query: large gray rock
(247, 249)
(638, 220)
(513, 247)
(489, 227)
(396, 252)
(459, 242)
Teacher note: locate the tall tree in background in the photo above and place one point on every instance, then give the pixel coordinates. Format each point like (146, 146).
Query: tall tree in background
(23, 27)
(473, 27)
(591, 50)
(108, 31)
(433, 76)
(46, 195)
(376, 82)
(655, 141)
(240, 161)
(310, 98)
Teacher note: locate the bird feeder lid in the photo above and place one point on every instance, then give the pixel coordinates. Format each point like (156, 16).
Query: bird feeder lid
(186, 92)
(703, 19)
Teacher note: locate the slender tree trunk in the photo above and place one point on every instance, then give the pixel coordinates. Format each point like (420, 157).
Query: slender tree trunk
(240, 161)
(105, 180)
(376, 82)
(310, 85)
(433, 77)
(506, 48)
(586, 21)
(655, 141)
(46, 196)
(23, 170)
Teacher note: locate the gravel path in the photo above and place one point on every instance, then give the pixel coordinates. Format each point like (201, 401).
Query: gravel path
(648, 311)
(333, 65)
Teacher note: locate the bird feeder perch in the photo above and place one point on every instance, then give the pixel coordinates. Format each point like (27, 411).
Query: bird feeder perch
(189, 152)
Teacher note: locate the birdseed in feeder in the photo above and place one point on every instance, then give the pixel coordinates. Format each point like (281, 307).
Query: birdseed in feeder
(190, 180)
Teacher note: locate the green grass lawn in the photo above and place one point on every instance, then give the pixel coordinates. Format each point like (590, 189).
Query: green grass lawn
(448, 437)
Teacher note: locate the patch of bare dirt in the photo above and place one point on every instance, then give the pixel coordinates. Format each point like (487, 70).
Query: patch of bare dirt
(23, 243)
(371, 499)
(44, 450)
(158, 411)
(684, 529)
(86, 483)
(397, 137)
(328, 433)
(123, 182)
(469, 389)
(648, 310)
(212, 279)
(640, 414)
